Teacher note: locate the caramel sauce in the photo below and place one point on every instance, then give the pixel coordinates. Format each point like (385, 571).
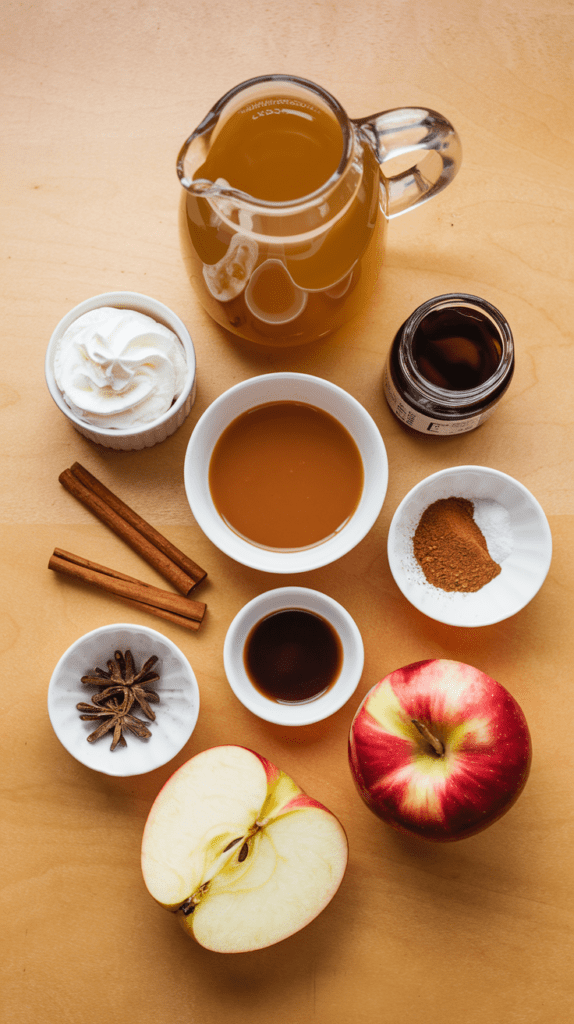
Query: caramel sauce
(286, 475)
(293, 656)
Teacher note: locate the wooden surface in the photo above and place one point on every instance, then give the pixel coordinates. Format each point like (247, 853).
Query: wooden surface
(97, 99)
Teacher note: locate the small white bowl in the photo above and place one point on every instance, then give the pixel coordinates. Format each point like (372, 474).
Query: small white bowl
(176, 713)
(523, 540)
(275, 387)
(147, 434)
(282, 599)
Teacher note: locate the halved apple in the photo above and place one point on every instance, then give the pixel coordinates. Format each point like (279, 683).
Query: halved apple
(239, 852)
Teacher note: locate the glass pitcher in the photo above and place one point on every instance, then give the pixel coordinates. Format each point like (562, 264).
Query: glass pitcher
(285, 205)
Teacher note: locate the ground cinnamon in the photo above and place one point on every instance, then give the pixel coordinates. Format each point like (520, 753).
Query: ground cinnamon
(451, 549)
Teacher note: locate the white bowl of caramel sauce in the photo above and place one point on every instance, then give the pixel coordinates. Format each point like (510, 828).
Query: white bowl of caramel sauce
(286, 472)
(293, 656)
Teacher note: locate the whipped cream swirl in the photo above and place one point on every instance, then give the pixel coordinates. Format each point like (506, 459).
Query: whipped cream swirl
(117, 368)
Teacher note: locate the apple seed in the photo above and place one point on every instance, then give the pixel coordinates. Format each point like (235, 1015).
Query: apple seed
(189, 905)
(243, 852)
(233, 843)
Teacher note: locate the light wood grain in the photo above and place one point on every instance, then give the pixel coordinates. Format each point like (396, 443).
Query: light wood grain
(98, 99)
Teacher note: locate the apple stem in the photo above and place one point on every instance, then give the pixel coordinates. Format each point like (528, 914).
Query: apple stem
(434, 741)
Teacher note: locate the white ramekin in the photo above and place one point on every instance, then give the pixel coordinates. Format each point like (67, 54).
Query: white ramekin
(147, 434)
(282, 599)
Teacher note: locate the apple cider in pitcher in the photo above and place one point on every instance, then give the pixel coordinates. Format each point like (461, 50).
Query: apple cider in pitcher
(283, 230)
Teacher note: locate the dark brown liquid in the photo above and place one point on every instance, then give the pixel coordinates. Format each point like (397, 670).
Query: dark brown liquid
(293, 656)
(456, 349)
(286, 475)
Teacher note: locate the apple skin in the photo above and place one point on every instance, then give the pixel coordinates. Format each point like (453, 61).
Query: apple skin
(439, 796)
(239, 853)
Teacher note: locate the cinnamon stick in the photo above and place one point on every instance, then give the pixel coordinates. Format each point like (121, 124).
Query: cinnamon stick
(174, 607)
(161, 613)
(157, 550)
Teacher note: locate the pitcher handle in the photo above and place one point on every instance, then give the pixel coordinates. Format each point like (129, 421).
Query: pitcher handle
(394, 133)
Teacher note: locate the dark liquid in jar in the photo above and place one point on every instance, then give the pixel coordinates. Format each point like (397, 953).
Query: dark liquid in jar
(293, 656)
(456, 349)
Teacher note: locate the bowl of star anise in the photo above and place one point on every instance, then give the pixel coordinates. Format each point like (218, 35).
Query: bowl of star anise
(123, 699)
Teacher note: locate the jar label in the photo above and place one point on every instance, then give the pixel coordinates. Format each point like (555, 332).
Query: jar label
(426, 424)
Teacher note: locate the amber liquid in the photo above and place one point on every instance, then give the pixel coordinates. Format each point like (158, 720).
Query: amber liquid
(456, 349)
(276, 152)
(280, 150)
(286, 475)
(293, 656)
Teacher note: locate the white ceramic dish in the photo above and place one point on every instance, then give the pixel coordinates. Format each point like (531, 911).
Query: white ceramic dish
(148, 434)
(176, 713)
(524, 561)
(279, 600)
(275, 387)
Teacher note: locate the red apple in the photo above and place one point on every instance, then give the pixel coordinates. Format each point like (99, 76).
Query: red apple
(439, 749)
(239, 853)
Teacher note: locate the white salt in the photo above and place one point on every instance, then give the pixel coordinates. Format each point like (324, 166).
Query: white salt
(493, 520)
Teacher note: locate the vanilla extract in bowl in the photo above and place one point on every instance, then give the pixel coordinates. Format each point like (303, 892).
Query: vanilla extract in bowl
(293, 656)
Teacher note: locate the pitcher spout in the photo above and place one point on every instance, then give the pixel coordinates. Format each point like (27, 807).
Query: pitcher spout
(192, 157)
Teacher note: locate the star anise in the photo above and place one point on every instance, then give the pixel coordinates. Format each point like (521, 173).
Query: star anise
(122, 679)
(120, 688)
(114, 715)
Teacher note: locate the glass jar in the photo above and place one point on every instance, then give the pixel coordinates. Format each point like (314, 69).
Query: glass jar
(449, 365)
